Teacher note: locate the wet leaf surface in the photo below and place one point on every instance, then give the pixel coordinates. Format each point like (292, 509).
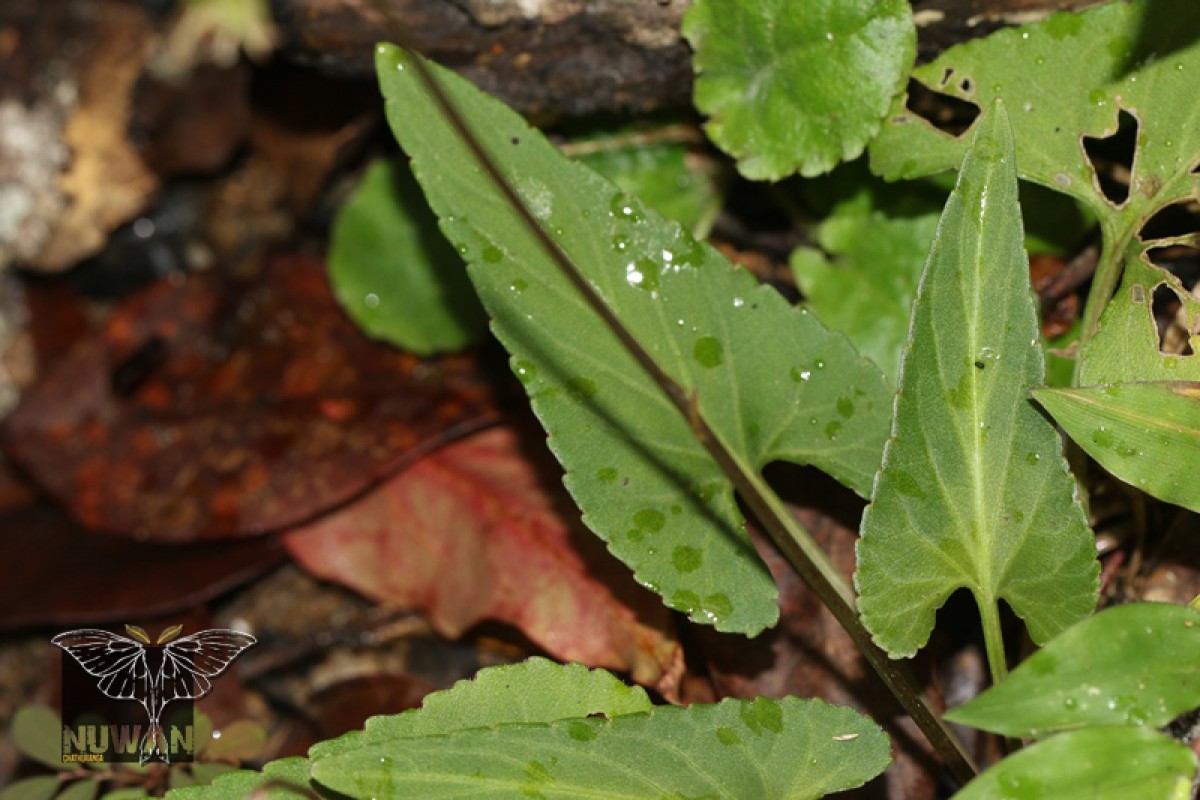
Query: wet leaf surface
(465, 532)
(209, 410)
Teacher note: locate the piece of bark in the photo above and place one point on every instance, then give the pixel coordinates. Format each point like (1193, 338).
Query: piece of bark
(68, 170)
(548, 57)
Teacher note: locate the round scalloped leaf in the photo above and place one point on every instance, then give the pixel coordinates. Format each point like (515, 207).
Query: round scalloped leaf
(797, 87)
(394, 273)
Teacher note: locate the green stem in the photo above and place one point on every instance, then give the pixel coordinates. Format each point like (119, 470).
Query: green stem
(805, 555)
(1104, 284)
(993, 639)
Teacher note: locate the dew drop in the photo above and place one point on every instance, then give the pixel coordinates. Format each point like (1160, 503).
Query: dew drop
(492, 255)
(606, 474)
(371, 300)
(738, 302)
(517, 286)
(524, 371)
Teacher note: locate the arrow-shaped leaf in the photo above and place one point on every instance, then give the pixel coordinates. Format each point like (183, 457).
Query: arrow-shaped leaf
(634, 465)
(974, 492)
(1146, 434)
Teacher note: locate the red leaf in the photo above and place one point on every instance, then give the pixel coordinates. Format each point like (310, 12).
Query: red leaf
(212, 409)
(473, 532)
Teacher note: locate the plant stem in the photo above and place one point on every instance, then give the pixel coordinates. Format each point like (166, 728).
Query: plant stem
(809, 560)
(993, 639)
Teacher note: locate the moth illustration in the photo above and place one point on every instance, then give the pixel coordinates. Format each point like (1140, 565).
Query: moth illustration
(128, 670)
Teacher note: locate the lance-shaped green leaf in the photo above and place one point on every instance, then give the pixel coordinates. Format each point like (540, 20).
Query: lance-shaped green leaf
(645, 484)
(1135, 664)
(797, 88)
(974, 492)
(664, 174)
(757, 750)
(394, 273)
(1092, 764)
(1146, 434)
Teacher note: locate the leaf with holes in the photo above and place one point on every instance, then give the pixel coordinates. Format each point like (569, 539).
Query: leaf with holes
(394, 273)
(974, 492)
(1126, 347)
(633, 464)
(1066, 81)
(754, 749)
(1146, 434)
(1114, 763)
(797, 89)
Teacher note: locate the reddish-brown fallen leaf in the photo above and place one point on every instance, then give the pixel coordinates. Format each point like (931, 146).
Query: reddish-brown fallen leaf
(213, 409)
(477, 531)
(56, 573)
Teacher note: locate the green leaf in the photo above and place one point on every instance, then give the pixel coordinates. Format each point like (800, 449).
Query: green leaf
(1092, 764)
(758, 750)
(1126, 347)
(241, 740)
(1066, 78)
(536, 690)
(973, 491)
(867, 286)
(1146, 434)
(37, 733)
(664, 174)
(125, 793)
(797, 87)
(85, 789)
(392, 271)
(285, 779)
(42, 787)
(1135, 664)
(633, 464)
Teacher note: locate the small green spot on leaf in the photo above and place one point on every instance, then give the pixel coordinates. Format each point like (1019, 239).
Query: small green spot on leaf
(687, 559)
(708, 352)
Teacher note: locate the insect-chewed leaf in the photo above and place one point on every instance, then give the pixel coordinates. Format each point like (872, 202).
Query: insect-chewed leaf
(974, 492)
(645, 484)
(1126, 347)
(169, 634)
(1146, 434)
(138, 633)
